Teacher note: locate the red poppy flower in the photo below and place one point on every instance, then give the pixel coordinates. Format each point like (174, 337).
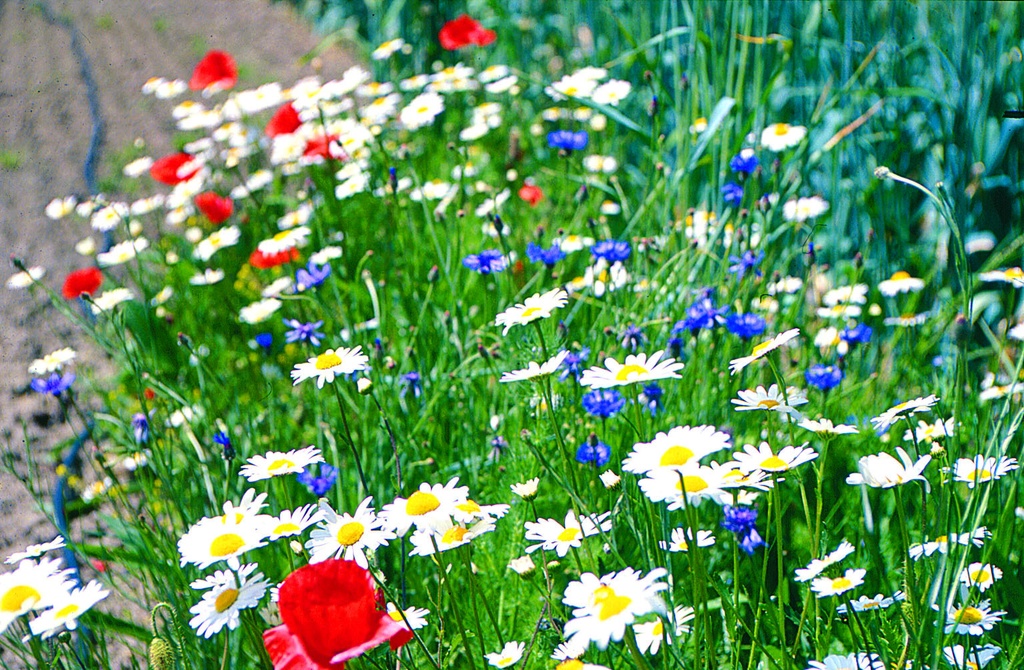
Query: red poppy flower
(262, 261)
(330, 615)
(174, 168)
(284, 122)
(215, 207)
(217, 69)
(464, 31)
(323, 146)
(531, 193)
(81, 282)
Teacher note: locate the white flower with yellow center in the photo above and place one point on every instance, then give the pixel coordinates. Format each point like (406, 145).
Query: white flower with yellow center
(602, 608)
(975, 659)
(981, 575)
(121, 252)
(942, 542)
(979, 469)
(637, 368)
(900, 282)
(1013, 276)
(387, 49)
(107, 218)
(27, 278)
(259, 311)
(293, 522)
(781, 136)
(571, 243)
(678, 447)
(825, 428)
(697, 481)
(764, 458)
(856, 294)
(869, 604)
(818, 565)
(58, 208)
(276, 463)
(909, 320)
(286, 240)
(421, 110)
(649, 635)
(840, 311)
(32, 586)
(347, 536)
(430, 507)
(447, 535)
(803, 209)
(605, 164)
(611, 92)
(111, 299)
(538, 306)
(571, 86)
(523, 565)
(526, 490)
(884, 471)
(227, 596)
(533, 370)
(972, 620)
(225, 237)
(222, 538)
(929, 432)
(414, 619)
(52, 362)
(834, 586)
(66, 608)
(553, 536)
(886, 419)
(469, 511)
(509, 655)
(771, 400)
(36, 550)
(681, 538)
(762, 350)
(331, 363)
(858, 661)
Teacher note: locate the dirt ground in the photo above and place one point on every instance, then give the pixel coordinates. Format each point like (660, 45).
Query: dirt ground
(45, 127)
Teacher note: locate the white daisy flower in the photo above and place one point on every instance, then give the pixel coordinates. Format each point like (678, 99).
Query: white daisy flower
(884, 471)
(293, 522)
(886, 419)
(109, 217)
(678, 447)
(469, 511)
(868, 604)
(681, 538)
(975, 659)
(858, 661)
(972, 620)
(929, 432)
(333, 362)
(602, 608)
(649, 635)
(981, 575)
(286, 240)
(526, 490)
(611, 92)
(533, 370)
(227, 596)
(1013, 276)
(225, 237)
(773, 399)
(259, 311)
(980, 469)
(825, 428)
(538, 306)
(32, 586)
(415, 617)
(36, 550)
(856, 294)
(275, 463)
(430, 507)
(697, 481)
(900, 282)
(509, 655)
(762, 350)
(207, 277)
(422, 110)
(387, 49)
(52, 362)
(25, 279)
(941, 543)
(122, 252)
(447, 535)
(553, 536)
(834, 586)
(110, 299)
(58, 208)
(638, 368)
(905, 320)
(818, 565)
(347, 536)
(66, 608)
(804, 209)
(763, 458)
(222, 538)
(781, 136)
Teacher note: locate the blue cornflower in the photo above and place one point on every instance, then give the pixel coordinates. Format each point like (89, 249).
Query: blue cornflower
(303, 332)
(746, 325)
(571, 364)
(485, 262)
(568, 140)
(311, 276)
(411, 383)
(859, 334)
(633, 337)
(732, 193)
(55, 384)
(650, 397)
(742, 521)
(702, 314)
(318, 485)
(498, 446)
(221, 438)
(140, 427)
(824, 377)
(611, 250)
(603, 403)
(265, 340)
(594, 451)
(549, 256)
(741, 265)
(744, 162)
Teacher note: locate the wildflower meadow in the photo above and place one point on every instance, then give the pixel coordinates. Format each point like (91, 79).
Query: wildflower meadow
(558, 335)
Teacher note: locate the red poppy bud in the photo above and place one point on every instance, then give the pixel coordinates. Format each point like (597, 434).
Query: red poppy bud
(216, 208)
(284, 122)
(462, 32)
(531, 194)
(330, 615)
(149, 393)
(217, 69)
(82, 282)
(100, 566)
(262, 261)
(174, 169)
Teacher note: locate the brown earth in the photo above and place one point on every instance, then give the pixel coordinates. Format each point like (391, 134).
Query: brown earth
(45, 128)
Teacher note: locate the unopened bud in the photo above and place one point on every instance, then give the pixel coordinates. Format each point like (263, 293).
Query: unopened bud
(161, 654)
(364, 385)
(296, 547)
(882, 172)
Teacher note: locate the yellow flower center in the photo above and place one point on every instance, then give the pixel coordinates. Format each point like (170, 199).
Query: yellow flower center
(454, 535)
(982, 475)
(941, 539)
(658, 629)
(762, 348)
(571, 664)
(395, 615)
(675, 455)
(1015, 273)
(327, 360)
(980, 576)
(871, 605)
(286, 529)
(470, 507)
(609, 602)
(774, 463)
(569, 534)
(225, 600)
(626, 371)
(692, 484)
(896, 276)
(529, 311)
(280, 237)
(65, 611)
(969, 615)
(280, 464)
(350, 533)
(19, 598)
(780, 129)
(226, 545)
(840, 584)
(421, 503)
(768, 403)
(422, 109)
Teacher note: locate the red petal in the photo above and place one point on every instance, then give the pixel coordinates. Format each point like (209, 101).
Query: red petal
(284, 122)
(216, 69)
(80, 282)
(286, 652)
(460, 32)
(531, 194)
(173, 169)
(262, 261)
(216, 208)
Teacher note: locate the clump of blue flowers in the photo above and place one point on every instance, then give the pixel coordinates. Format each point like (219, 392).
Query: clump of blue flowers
(603, 403)
(568, 140)
(486, 262)
(742, 521)
(594, 451)
(824, 377)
